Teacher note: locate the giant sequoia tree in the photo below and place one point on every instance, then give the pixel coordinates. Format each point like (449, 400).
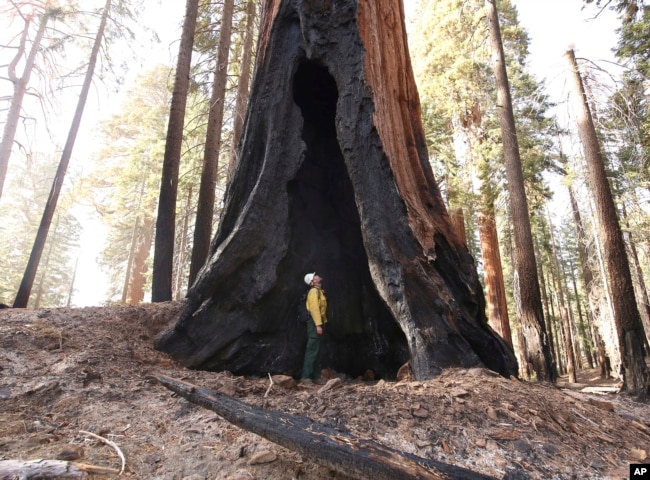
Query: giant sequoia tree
(334, 178)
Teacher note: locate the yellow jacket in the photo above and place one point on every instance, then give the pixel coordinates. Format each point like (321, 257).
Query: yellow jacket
(317, 305)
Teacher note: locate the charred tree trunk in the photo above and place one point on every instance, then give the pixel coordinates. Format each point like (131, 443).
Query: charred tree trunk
(359, 458)
(334, 178)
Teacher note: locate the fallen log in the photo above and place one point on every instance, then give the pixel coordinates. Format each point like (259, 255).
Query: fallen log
(11, 469)
(355, 457)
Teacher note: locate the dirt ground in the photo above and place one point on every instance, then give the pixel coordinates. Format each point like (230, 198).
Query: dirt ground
(69, 374)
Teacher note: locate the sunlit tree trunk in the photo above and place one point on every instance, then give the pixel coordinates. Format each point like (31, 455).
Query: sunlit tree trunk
(129, 260)
(138, 278)
(527, 293)
(495, 293)
(626, 314)
(22, 297)
(205, 208)
(163, 260)
(20, 87)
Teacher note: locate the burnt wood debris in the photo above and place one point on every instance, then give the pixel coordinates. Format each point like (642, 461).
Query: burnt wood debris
(334, 177)
(338, 450)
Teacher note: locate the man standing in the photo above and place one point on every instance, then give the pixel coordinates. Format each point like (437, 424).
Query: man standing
(316, 304)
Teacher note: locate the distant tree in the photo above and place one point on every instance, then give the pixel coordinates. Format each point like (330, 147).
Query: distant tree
(243, 83)
(125, 184)
(21, 83)
(25, 288)
(163, 262)
(19, 220)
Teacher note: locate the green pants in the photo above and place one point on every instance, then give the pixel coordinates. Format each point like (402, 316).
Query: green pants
(311, 365)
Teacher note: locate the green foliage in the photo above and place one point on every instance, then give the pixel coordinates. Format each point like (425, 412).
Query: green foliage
(125, 185)
(20, 215)
(456, 84)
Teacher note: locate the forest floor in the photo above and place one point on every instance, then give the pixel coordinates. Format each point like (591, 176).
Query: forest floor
(65, 372)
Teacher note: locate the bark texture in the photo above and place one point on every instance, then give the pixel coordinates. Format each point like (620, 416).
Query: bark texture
(495, 292)
(334, 178)
(627, 319)
(163, 260)
(535, 344)
(212, 148)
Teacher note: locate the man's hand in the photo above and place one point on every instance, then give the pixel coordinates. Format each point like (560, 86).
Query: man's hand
(319, 329)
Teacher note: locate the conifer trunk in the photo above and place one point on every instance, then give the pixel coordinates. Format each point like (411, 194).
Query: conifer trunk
(493, 277)
(528, 300)
(626, 314)
(205, 207)
(243, 85)
(163, 259)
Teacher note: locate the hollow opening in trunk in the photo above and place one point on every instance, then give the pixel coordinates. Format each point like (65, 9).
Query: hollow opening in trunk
(326, 237)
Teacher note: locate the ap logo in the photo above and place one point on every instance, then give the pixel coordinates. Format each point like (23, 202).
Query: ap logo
(639, 471)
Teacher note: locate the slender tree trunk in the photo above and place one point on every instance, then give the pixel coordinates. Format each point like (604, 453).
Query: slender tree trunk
(495, 293)
(205, 208)
(129, 260)
(22, 297)
(626, 314)
(563, 309)
(588, 280)
(139, 279)
(74, 278)
(20, 87)
(182, 246)
(529, 304)
(243, 85)
(163, 260)
(548, 314)
(582, 321)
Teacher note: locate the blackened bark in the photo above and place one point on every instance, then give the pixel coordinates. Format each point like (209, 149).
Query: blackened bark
(334, 178)
(338, 450)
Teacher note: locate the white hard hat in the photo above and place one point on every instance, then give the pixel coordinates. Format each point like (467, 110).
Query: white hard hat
(309, 277)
